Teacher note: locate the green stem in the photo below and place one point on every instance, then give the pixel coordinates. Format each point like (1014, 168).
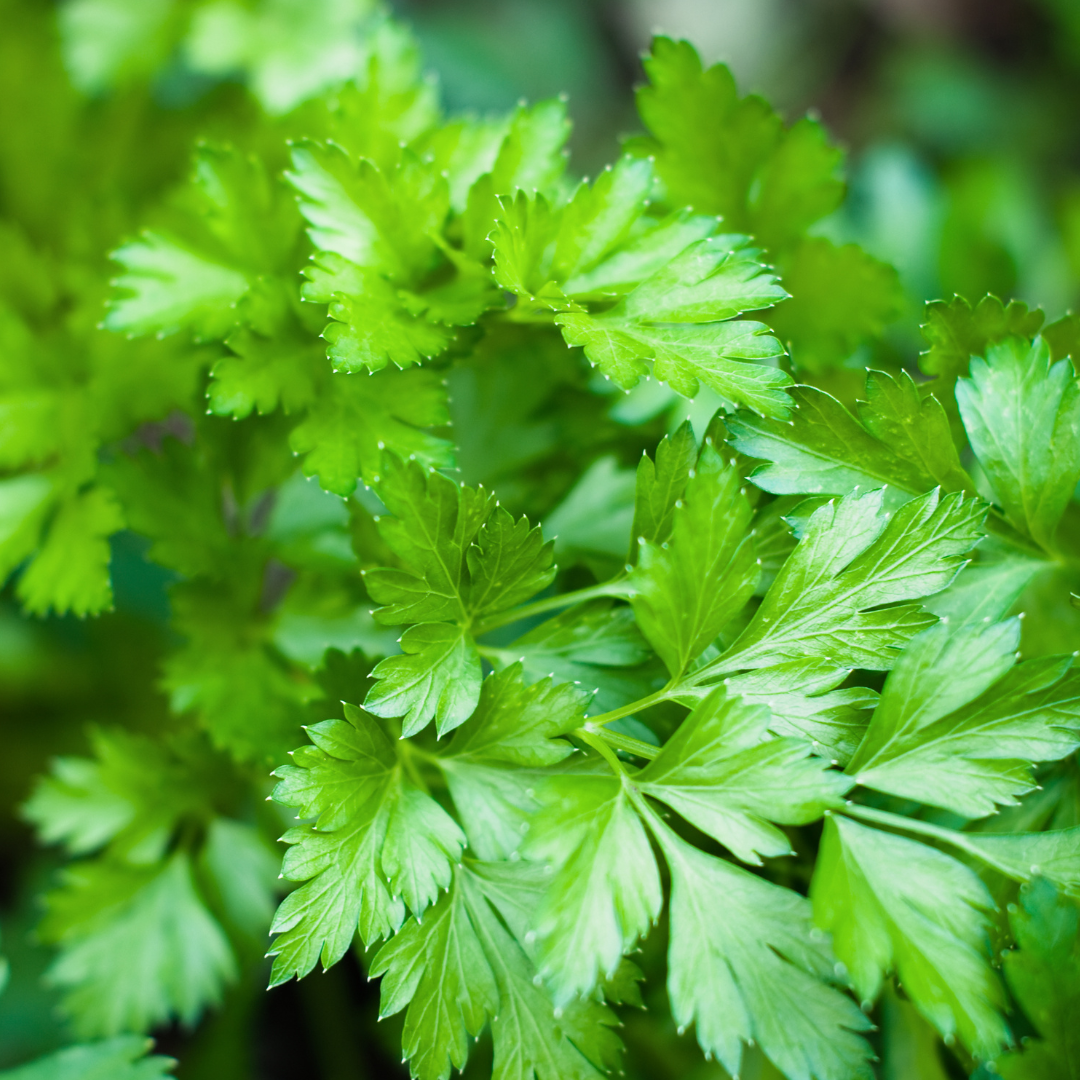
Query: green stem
(615, 587)
(618, 741)
(955, 839)
(602, 748)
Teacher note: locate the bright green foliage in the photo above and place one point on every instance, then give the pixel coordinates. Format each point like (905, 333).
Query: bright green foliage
(461, 966)
(731, 156)
(125, 1057)
(927, 923)
(459, 338)
(959, 720)
(465, 560)
(723, 773)
(756, 973)
(1022, 415)
(1044, 977)
(686, 589)
(898, 439)
(387, 845)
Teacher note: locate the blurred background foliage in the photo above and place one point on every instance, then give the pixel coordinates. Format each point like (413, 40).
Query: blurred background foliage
(963, 139)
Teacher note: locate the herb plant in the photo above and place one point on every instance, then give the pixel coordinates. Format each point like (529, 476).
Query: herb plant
(367, 386)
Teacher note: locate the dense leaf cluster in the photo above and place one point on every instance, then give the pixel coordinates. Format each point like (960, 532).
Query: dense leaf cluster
(770, 688)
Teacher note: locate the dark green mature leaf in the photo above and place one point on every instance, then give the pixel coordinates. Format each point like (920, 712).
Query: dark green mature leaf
(686, 589)
(840, 297)
(926, 923)
(959, 721)
(1043, 974)
(957, 331)
(845, 594)
(495, 758)
(378, 843)
(722, 772)
(724, 155)
(125, 1057)
(1022, 415)
(137, 946)
(899, 439)
(743, 966)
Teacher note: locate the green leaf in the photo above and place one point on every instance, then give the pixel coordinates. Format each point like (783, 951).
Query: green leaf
(845, 594)
(957, 331)
(912, 1047)
(750, 970)
(1053, 855)
(594, 645)
(660, 485)
(899, 439)
(678, 318)
(605, 888)
(804, 702)
(378, 218)
(461, 966)
(434, 524)
(375, 323)
(840, 297)
(727, 155)
(508, 564)
(24, 502)
(1022, 413)
(137, 946)
(1043, 974)
(378, 842)
(493, 762)
(926, 923)
(70, 572)
(436, 676)
(959, 721)
(232, 225)
(687, 589)
(345, 431)
(130, 795)
(438, 969)
(262, 374)
(723, 772)
(598, 219)
(122, 1058)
